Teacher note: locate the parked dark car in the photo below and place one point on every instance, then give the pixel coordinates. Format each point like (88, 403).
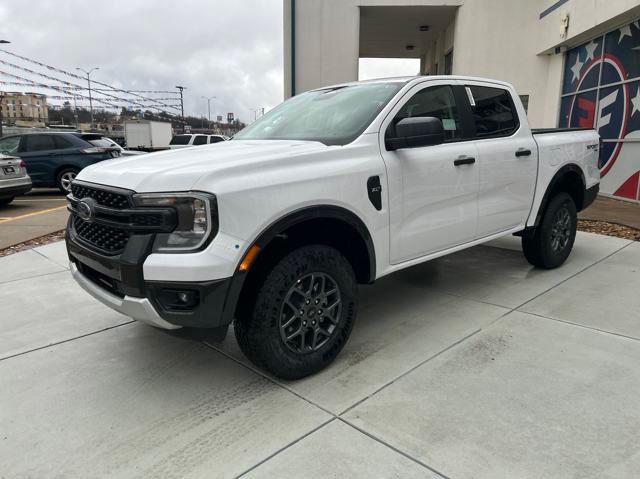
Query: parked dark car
(54, 159)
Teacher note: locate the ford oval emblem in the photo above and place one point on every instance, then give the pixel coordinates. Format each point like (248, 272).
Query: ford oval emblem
(86, 210)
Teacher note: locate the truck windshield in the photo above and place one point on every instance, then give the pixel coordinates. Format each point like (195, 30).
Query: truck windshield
(333, 116)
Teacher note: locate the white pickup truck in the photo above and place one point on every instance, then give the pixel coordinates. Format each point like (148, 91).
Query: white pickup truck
(335, 187)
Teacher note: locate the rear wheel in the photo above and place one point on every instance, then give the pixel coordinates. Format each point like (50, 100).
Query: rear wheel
(303, 313)
(6, 201)
(551, 242)
(64, 179)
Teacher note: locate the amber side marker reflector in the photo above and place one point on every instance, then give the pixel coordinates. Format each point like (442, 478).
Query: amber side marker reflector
(248, 258)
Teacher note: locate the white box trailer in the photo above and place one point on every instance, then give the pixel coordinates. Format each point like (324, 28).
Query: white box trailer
(147, 135)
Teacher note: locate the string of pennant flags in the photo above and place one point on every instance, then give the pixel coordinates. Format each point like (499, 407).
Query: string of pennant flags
(71, 88)
(56, 88)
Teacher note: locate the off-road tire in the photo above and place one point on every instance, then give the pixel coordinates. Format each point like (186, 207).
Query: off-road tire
(259, 332)
(541, 246)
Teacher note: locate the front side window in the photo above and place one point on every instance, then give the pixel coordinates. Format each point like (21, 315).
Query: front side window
(435, 101)
(333, 116)
(215, 139)
(39, 143)
(493, 113)
(200, 140)
(9, 146)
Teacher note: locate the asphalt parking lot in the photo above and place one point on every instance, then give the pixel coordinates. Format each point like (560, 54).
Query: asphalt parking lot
(40, 212)
(472, 365)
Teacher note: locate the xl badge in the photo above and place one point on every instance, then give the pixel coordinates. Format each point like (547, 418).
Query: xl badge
(86, 209)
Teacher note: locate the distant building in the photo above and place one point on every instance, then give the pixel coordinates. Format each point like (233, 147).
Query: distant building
(24, 109)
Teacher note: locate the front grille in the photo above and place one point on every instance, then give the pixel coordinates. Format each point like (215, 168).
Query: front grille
(110, 199)
(104, 238)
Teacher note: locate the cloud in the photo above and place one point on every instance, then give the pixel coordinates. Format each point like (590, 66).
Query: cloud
(231, 50)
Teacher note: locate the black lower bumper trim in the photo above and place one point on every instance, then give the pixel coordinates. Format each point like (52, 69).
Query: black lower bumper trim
(122, 275)
(15, 191)
(206, 313)
(590, 195)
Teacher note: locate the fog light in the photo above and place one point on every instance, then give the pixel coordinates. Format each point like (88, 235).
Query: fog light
(178, 299)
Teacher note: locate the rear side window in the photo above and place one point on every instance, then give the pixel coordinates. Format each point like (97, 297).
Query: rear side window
(493, 113)
(200, 140)
(101, 142)
(180, 140)
(62, 143)
(436, 101)
(39, 143)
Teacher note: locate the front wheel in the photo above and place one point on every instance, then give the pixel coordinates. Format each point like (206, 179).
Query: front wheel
(6, 201)
(303, 313)
(64, 179)
(551, 242)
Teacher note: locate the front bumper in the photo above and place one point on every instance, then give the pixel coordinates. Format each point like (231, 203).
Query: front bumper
(15, 187)
(118, 282)
(136, 308)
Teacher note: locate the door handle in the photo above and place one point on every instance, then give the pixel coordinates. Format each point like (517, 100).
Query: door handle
(464, 160)
(523, 152)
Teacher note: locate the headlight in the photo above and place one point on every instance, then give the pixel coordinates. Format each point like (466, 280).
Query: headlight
(197, 215)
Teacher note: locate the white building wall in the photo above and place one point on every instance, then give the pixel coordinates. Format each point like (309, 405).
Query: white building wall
(494, 39)
(504, 39)
(328, 39)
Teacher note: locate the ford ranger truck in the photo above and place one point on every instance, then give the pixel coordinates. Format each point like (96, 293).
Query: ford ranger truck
(275, 229)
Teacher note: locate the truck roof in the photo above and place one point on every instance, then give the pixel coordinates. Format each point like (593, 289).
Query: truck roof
(416, 79)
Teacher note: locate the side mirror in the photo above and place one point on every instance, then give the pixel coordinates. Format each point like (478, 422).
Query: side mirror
(415, 132)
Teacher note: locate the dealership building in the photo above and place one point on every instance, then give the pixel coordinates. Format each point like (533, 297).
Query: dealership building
(574, 62)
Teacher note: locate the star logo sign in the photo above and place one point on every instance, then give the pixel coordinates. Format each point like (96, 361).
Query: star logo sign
(575, 69)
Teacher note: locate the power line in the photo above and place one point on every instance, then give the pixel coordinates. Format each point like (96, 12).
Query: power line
(18, 67)
(73, 75)
(52, 87)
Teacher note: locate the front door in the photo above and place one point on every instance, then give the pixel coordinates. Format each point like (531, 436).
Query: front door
(433, 197)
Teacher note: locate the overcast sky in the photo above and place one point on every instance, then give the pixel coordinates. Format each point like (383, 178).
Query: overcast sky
(231, 50)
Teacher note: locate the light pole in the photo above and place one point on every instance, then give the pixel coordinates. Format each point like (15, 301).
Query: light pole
(2, 94)
(209, 98)
(181, 104)
(88, 73)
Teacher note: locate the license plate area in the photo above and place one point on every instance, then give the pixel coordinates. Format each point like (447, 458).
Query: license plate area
(8, 170)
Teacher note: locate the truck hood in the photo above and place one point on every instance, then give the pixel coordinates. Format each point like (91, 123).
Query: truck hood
(179, 170)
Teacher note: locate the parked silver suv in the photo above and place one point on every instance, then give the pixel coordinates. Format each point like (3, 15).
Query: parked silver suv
(14, 179)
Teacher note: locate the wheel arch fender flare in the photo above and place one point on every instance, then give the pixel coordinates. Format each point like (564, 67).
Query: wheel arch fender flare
(287, 221)
(557, 179)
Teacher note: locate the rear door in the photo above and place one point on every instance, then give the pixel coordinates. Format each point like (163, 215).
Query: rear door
(433, 198)
(38, 152)
(507, 156)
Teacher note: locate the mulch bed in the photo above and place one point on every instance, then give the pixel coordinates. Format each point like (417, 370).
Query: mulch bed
(590, 226)
(609, 229)
(33, 243)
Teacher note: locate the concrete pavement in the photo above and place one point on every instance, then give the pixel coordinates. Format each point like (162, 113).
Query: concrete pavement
(472, 365)
(40, 212)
